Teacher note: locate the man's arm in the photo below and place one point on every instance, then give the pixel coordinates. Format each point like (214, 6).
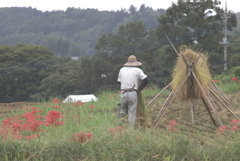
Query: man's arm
(144, 84)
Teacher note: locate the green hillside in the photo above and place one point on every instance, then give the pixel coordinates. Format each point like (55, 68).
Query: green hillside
(73, 32)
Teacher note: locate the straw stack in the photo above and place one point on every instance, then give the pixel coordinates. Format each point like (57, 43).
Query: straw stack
(191, 80)
(190, 90)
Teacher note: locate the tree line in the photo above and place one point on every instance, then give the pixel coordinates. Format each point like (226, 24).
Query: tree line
(72, 32)
(36, 73)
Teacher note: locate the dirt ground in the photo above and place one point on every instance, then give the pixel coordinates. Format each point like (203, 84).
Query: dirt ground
(6, 108)
(181, 112)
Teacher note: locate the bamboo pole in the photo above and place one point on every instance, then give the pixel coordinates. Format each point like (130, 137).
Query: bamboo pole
(172, 45)
(165, 104)
(192, 110)
(172, 100)
(208, 110)
(215, 88)
(219, 90)
(224, 105)
(206, 97)
(215, 99)
(219, 97)
(158, 95)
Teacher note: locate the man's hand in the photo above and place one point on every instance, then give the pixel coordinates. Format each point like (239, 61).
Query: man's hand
(140, 88)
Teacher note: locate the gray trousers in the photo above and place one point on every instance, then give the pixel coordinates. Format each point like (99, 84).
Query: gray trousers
(129, 106)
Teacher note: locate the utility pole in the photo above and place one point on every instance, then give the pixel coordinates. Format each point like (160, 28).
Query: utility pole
(225, 41)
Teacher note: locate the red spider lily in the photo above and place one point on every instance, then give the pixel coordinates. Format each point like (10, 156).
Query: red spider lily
(222, 129)
(172, 123)
(31, 122)
(235, 121)
(56, 107)
(119, 128)
(115, 130)
(32, 125)
(17, 136)
(55, 101)
(13, 126)
(111, 130)
(9, 121)
(91, 106)
(234, 128)
(82, 137)
(51, 118)
(16, 126)
(31, 137)
(78, 103)
(26, 108)
(58, 123)
(234, 79)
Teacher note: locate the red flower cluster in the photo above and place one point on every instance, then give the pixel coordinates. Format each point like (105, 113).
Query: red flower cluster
(222, 129)
(26, 126)
(115, 130)
(55, 101)
(91, 106)
(234, 123)
(234, 126)
(78, 103)
(29, 122)
(172, 125)
(82, 137)
(52, 117)
(234, 79)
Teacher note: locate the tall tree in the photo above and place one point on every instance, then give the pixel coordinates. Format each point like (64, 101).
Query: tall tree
(112, 52)
(22, 68)
(199, 20)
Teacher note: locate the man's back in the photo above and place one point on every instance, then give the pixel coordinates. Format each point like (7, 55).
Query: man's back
(130, 77)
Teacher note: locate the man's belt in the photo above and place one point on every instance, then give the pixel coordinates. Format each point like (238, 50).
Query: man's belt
(127, 90)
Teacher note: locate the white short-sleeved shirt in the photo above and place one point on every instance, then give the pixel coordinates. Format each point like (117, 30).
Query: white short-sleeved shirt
(129, 77)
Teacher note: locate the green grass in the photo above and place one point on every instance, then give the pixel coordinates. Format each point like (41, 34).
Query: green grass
(200, 141)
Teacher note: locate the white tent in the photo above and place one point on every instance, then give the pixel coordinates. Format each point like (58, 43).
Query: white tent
(82, 98)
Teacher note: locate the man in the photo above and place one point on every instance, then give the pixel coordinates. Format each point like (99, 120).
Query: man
(129, 77)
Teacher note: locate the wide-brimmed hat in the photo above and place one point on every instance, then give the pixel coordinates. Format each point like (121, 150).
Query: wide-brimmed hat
(132, 61)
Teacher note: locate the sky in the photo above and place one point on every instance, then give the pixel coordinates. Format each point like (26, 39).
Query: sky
(101, 5)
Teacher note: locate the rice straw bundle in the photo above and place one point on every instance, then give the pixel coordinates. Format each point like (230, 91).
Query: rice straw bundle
(191, 90)
(142, 114)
